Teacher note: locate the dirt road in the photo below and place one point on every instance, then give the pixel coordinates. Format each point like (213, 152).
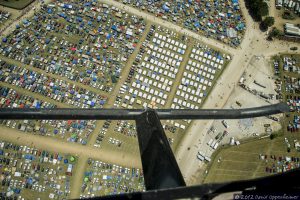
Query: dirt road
(55, 145)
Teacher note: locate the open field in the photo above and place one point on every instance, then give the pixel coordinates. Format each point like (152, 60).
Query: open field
(243, 161)
(16, 4)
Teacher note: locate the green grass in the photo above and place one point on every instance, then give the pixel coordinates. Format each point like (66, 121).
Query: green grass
(16, 4)
(242, 162)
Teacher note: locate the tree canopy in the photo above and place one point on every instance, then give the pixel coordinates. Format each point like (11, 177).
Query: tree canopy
(257, 9)
(267, 22)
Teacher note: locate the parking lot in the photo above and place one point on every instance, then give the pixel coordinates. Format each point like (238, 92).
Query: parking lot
(101, 178)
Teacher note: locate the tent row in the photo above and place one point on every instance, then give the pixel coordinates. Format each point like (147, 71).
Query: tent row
(157, 80)
(164, 67)
(150, 97)
(164, 51)
(157, 37)
(202, 68)
(204, 61)
(163, 54)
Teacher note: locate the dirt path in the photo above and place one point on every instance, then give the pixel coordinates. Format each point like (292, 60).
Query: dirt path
(261, 163)
(54, 145)
(126, 69)
(78, 178)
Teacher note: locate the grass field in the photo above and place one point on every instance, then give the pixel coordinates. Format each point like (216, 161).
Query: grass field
(243, 162)
(16, 4)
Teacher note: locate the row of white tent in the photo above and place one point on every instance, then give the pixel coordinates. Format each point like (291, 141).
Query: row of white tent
(197, 52)
(192, 91)
(184, 105)
(151, 90)
(205, 75)
(188, 96)
(155, 96)
(158, 36)
(203, 60)
(162, 44)
(160, 68)
(191, 81)
(200, 70)
(165, 52)
(165, 62)
(158, 77)
(161, 79)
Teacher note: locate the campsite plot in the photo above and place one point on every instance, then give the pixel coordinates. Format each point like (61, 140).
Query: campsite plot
(221, 20)
(104, 179)
(86, 42)
(70, 130)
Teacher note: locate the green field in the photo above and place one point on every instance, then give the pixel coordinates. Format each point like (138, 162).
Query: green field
(243, 161)
(16, 4)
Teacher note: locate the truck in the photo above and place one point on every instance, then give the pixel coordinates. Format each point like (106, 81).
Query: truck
(200, 157)
(225, 124)
(216, 145)
(209, 142)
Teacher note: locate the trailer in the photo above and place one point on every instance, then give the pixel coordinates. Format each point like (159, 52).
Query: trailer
(259, 84)
(201, 158)
(216, 145)
(208, 159)
(225, 124)
(209, 142)
(213, 144)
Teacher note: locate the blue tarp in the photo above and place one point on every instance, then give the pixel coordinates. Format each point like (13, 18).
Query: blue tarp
(165, 8)
(25, 21)
(108, 36)
(29, 157)
(114, 27)
(102, 102)
(63, 15)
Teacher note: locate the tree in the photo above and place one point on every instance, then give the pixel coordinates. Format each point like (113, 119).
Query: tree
(275, 32)
(267, 22)
(264, 9)
(257, 9)
(273, 136)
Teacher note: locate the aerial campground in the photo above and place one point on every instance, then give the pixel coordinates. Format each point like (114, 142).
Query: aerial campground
(146, 55)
